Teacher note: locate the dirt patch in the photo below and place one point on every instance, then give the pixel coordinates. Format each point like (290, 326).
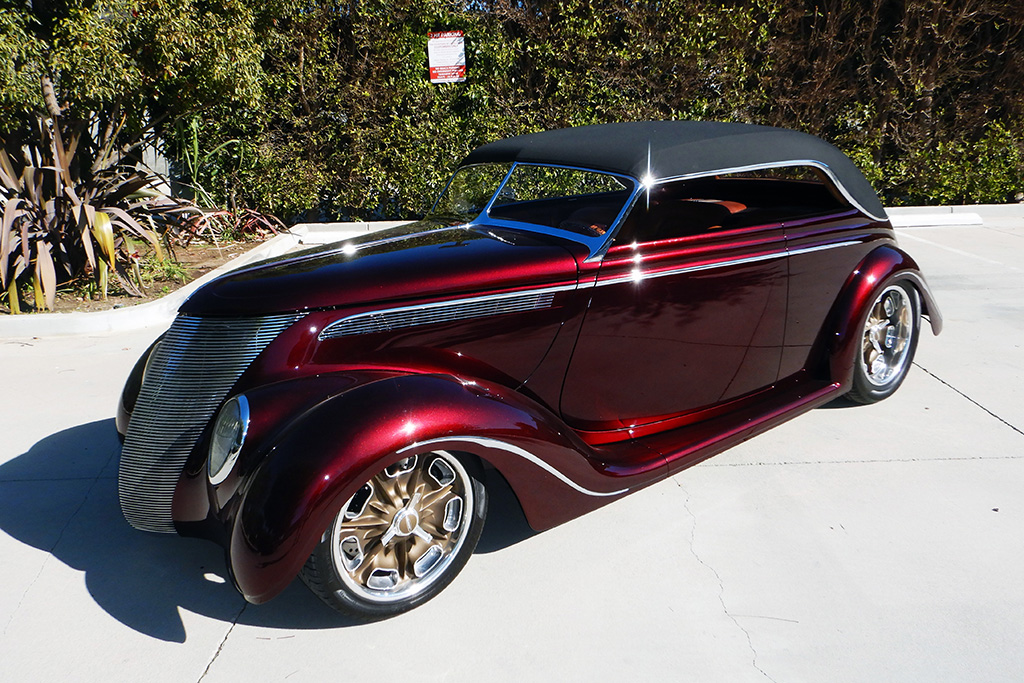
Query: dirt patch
(192, 262)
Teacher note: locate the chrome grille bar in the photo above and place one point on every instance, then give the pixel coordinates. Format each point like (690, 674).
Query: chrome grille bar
(188, 376)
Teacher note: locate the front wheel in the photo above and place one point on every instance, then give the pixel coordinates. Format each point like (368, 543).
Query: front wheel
(401, 538)
(887, 345)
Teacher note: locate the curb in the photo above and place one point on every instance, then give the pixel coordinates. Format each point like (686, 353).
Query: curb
(952, 216)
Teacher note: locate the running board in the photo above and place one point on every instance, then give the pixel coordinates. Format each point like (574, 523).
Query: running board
(687, 446)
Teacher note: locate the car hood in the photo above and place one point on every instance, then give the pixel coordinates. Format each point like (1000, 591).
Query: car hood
(422, 260)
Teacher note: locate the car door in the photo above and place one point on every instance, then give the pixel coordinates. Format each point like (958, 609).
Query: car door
(687, 311)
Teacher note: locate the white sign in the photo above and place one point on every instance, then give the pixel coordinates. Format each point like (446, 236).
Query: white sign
(446, 54)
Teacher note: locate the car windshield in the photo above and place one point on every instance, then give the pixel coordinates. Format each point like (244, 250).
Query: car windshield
(583, 202)
(469, 191)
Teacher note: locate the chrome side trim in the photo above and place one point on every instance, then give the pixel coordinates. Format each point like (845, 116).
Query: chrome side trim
(515, 450)
(383, 320)
(823, 247)
(638, 275)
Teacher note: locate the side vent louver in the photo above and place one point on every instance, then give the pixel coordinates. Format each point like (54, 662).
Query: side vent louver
(441, 312)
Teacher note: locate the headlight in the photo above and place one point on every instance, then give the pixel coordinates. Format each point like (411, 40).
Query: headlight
(228, 436)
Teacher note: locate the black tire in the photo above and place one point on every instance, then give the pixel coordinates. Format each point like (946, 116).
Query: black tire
(887, 345)
(402, 538)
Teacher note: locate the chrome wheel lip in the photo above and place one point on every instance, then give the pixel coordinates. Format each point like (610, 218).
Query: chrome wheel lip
(888, 336)
(450, 544)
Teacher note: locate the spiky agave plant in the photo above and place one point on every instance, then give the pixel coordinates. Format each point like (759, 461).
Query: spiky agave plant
(61, 219)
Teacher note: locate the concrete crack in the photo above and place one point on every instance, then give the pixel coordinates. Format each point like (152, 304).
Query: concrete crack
(721, 584)
(60, 535)
(25, 593)
(945, 383)
(223, 642)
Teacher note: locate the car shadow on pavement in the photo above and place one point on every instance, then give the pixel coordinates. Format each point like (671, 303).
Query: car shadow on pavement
(506, 524)
(840, 403)
(61, 497)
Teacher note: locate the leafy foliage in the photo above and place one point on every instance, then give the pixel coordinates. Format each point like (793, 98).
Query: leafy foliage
(228, 224)
(115, 75)
(353, 129)
(915, 91)
(59, 219)
(21, 66)
(324, 109)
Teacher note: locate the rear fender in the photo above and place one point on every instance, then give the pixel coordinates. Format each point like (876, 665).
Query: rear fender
(323, 458)
(880, 268)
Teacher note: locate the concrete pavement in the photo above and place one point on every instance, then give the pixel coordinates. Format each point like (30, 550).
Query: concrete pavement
(851, 544)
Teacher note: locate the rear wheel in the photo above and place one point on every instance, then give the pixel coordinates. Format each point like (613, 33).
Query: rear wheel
(401, 538)
(888, 342)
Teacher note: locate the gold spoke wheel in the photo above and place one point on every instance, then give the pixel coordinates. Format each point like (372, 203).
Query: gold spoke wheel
(401, 538)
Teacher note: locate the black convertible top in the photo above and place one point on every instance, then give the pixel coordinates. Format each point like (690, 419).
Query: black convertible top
(669, 149)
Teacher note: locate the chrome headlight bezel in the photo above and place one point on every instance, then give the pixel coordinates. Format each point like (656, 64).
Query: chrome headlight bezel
(227, 438)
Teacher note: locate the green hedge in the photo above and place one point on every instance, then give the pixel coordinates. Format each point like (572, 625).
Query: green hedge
(338, 120)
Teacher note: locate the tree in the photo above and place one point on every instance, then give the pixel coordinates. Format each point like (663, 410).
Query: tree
(327, 106)
(924, 94)
(354, 128)
(87, 85)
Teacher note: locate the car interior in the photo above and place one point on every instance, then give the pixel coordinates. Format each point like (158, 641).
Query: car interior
(726, 202)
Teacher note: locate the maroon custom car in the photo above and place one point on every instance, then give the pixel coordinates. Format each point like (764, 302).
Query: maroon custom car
(584, 312)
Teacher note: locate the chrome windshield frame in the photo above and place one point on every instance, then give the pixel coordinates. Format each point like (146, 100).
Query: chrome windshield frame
(597, 245)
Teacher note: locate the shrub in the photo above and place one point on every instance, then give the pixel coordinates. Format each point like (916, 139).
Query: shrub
(61, 220)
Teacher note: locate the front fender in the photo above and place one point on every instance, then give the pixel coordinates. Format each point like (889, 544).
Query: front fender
(881, 267)
(323, 458)
(130, 392)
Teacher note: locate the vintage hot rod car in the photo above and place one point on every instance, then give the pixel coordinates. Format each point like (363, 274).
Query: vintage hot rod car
(584, 312)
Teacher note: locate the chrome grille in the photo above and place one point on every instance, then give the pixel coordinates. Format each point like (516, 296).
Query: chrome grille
(188, 376)
(447, 311)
